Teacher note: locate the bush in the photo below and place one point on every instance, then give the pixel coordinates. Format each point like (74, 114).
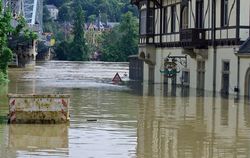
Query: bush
(3, 78)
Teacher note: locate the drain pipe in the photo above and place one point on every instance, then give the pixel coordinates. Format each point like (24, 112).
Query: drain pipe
(214, 45)
(238, 78)
(238, 37)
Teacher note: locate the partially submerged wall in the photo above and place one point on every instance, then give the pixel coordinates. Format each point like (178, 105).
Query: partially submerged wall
(31, 108)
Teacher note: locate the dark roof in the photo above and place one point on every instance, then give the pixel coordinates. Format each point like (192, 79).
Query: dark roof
(245, 47)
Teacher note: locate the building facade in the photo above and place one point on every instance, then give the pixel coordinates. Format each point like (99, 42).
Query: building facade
(201, 40)
(53, 11)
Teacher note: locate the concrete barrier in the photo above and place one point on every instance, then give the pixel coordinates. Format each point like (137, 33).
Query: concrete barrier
(33, 108)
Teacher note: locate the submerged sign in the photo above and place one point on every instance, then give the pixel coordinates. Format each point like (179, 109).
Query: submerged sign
(117, 78)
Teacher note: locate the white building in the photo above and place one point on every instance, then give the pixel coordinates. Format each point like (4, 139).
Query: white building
(53, 11)
(203, 37)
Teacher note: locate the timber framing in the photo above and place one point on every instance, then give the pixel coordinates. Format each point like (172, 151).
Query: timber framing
(211, 33)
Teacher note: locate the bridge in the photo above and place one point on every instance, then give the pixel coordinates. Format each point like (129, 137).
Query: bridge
(32, 11)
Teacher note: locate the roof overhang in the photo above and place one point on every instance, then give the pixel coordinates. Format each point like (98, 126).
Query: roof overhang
(244, 49)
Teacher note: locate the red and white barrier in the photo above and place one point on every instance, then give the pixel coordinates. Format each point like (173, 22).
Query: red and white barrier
(30, 108)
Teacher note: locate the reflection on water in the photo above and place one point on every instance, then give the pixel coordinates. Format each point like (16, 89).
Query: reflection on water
(132, 120)
(178, 126)
(36, 139)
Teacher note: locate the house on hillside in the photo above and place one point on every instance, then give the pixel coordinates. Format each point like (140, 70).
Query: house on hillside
(53, 11)
(199, 43)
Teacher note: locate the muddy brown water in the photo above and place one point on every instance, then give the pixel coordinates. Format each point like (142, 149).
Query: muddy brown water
(123, 121)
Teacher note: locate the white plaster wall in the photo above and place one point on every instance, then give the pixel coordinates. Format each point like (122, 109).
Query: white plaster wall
(159, 61)
(218, 11)
(178, 17)
(207, 13)
(223, 54)
(226, 54)
(145, 72)
(209, 62)
(161, 54)
(170, 19)
(192, 13)
(244, 65)
(231, 33)
(244, 34)
(192, 66)
(232, 9)
(245, 12)
(157, 21)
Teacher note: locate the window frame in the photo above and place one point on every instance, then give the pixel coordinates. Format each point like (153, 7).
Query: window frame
(173, 18)
(143, 22)
(224, 13)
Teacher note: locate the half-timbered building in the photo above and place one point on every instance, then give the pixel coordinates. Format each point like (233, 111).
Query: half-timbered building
(205, 42)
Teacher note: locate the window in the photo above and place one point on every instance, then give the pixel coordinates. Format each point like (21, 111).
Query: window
(225, 77)
(226, 66)
(201, 75)
(224, 12)
(150, 21)
(184, 18)
(143, 22)
(185, 78)
(147, 21)
(173, 18)
(165, 22)
(199, 14)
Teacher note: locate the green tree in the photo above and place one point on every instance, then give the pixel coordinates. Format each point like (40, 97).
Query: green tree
(121, 41)
(79, 49)
(109, 45)
(64, 13)
(92, 18)
(62, 50)
(46, 15)
(129, 40)
(5, 52)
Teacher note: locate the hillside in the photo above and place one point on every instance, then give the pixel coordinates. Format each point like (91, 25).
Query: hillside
(108, 10)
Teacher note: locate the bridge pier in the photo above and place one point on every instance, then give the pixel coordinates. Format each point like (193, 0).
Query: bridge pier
(26, 55)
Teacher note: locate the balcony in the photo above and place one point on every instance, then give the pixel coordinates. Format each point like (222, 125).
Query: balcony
(193, 38)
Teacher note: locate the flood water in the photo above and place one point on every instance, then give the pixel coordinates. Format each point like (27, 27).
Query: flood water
(123, 121)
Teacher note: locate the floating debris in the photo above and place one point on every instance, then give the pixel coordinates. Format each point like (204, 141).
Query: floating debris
(91, 120)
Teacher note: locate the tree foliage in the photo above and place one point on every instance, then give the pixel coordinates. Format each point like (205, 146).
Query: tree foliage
(77, 49)
(5, 52)
(115, 45)
(110, 10)
(120, 42)
(64, 13)
(62, 50)
(6, 29)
